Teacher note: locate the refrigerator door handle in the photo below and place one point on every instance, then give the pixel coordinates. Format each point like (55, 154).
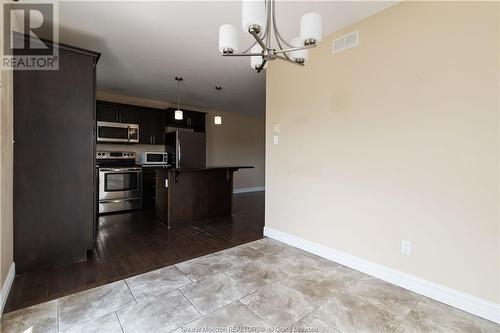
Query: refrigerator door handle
(179, 155)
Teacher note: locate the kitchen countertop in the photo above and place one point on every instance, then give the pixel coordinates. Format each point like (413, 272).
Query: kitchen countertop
(210, 167)
(214, 167)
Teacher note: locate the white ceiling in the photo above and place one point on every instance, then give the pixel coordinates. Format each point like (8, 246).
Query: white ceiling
(144, 45)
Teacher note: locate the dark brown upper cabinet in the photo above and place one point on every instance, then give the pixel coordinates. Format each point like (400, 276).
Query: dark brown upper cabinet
(159, 127)
(106, 111)
(190, 119)
(146, 124)
(128, 114)
(117, 113)
(152, 122)
(151, 126)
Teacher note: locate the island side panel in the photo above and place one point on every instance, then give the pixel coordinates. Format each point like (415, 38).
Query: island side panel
(161, 196)
(196, 196)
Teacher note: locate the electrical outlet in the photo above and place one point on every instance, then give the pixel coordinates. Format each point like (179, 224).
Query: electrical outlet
(275, 139)
(406, 247)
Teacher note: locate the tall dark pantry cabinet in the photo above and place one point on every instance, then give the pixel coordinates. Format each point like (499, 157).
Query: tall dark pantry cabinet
(54, 161)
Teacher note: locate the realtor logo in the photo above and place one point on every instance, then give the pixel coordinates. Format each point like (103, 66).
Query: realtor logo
(29, 33)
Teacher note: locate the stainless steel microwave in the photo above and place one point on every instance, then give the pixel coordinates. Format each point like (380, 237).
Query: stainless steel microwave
(154, 158)
(117, 132)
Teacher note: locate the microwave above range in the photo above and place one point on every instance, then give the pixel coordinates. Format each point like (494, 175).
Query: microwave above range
(154, 158)
(117, 132)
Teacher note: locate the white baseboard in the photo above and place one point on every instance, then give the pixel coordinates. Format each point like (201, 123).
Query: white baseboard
(474, 305)
(248, 189)
(6, 287)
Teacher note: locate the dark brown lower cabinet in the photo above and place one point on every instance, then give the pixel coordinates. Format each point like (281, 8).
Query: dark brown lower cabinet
(190, 196)
(54, 161)
(148, 187)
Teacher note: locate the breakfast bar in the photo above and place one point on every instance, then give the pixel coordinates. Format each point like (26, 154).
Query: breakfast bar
(194, 195)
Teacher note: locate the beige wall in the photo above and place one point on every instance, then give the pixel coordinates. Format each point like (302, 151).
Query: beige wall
(6, 174)
(240, 140)
(396, 139)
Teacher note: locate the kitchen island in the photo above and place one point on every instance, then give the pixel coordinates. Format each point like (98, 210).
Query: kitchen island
(194, 195)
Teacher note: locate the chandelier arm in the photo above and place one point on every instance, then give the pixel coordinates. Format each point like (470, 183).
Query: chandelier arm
(269, 14)
(305, 47)
(288, 60)
(261, 66)
(280, 46)
(277, 31)
(260, 41)
(250, 47)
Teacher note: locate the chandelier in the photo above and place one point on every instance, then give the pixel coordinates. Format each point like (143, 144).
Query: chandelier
(259, 20)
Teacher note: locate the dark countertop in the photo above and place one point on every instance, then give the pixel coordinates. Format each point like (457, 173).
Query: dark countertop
(213, 167)
(210, 167)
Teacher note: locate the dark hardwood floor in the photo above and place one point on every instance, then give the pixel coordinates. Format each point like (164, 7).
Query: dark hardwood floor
(132, 243)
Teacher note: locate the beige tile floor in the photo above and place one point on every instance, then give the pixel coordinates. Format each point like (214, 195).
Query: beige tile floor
(263, 286)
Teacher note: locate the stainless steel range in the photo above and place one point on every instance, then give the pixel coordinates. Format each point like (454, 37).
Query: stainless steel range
(120, 181)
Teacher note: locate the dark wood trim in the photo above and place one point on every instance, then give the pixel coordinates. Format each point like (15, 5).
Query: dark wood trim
(62, 46)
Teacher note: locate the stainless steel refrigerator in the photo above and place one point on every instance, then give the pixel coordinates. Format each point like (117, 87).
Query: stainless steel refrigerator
(186, 149)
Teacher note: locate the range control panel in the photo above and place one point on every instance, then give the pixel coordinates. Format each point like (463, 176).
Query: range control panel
(118, 155)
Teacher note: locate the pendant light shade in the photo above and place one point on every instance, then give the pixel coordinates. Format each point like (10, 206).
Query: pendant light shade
(228, 39)
(253, 14)
(178, 115)
(256, 61)
(301, 55)
(218, 118)
(310, 28)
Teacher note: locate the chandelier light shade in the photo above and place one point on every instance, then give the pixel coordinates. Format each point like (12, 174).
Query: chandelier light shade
(258, 18)
(218, 120)
(310, 28)
(228, 39)
(299, 56)
(178, 114)
(253, 15)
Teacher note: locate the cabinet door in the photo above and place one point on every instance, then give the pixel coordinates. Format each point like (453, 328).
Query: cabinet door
(146, 120)
(159, 127)
(198, 121)
(127, 114)
(148, 187)
(106, 111)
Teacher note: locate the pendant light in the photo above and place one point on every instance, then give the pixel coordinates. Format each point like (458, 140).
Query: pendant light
(178, 115)
(218, 117)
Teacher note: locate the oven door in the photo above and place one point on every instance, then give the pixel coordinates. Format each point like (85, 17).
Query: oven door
(120, 183)
(112, 132)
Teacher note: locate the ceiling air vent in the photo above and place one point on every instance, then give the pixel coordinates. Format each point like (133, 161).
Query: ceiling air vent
(345, 42)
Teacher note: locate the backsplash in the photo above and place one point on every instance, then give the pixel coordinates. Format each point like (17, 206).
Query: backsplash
(137, 149)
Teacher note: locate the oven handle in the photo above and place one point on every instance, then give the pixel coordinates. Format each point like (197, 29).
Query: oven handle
(120, 169)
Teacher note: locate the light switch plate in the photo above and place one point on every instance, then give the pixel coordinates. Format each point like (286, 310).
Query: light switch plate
(276, 128)
(275, 139)
(406, 247)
